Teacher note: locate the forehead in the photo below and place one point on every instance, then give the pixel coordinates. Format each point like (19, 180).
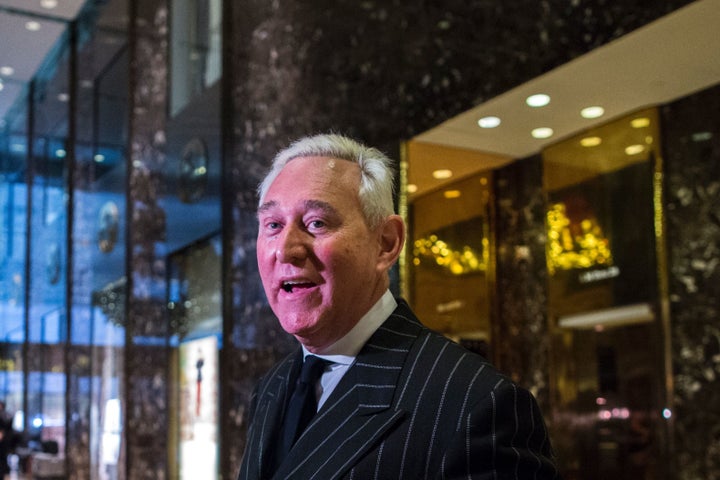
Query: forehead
(306, 179)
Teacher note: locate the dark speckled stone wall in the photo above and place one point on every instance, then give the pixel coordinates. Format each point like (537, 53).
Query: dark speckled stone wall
(383, 71)
(692, 180)
(522, 276)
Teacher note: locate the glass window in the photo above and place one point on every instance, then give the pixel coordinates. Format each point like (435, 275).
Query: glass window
(196, 34)
(604, 306)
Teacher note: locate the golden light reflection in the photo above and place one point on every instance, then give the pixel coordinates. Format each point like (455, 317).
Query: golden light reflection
(581, 249)
(437, 252)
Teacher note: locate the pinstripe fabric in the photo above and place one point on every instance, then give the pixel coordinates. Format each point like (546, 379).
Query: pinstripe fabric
(414, 405)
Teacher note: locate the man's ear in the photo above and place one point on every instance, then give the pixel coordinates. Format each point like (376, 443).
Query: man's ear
(392, 239)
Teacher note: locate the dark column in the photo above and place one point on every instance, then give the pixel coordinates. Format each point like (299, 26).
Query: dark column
(147, 354)
(520, 334)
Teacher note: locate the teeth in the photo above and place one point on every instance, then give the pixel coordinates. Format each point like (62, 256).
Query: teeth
(288, 286)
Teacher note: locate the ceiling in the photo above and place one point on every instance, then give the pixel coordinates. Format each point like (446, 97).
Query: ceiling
(24, 50)
(643, 68)
(670, 58)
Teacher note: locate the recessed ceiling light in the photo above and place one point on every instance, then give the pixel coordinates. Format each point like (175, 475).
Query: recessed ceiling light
(538, 100)
(411, 188)
(60, 153)
(6, 71)
(634, 149)
(640, 122)
(442, 174)
(452, 193)
(542, 132)
(33, 26)
(99, 157)
(591, 141)
(489, 122)
(592, 112)
(63, 97)
(49, 4)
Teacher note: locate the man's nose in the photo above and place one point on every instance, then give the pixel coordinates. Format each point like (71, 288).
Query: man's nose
(292, 246)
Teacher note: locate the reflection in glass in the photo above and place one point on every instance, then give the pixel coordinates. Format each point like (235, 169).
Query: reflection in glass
(195, 49)
(449, 260)
(196, 319)
(603, 301)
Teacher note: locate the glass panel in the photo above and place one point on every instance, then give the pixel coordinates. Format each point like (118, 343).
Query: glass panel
(195, 49)
(603, 304)
(196, 315)
(99, 237)
(449, 258)
(13, 229)
(48, 260)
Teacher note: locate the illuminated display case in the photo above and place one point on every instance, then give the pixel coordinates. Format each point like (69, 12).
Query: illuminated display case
(449, 261)
(604, 242)
(195, 315)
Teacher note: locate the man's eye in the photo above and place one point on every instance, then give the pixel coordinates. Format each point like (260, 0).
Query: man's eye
(315, 224)
(272, 225)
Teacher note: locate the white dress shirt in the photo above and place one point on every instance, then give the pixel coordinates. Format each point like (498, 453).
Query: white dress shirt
(343, 352)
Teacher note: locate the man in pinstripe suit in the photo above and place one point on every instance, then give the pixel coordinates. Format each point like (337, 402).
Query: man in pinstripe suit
(397, 401)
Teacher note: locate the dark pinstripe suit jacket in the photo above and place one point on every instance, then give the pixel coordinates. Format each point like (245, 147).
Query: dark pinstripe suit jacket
(414, 405)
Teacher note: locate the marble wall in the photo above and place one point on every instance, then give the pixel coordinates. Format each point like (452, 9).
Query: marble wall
(147, 356)
(691, 136)
(522, 330)
(383, 72)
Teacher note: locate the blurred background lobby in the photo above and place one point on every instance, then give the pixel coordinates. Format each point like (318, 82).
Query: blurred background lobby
(559, 172)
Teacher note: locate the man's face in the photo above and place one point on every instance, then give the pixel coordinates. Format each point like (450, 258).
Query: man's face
(318, 260)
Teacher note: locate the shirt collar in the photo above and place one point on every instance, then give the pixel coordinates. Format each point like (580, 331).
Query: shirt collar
(346, 349)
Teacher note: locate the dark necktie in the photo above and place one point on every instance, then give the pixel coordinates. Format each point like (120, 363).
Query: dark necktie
(303, 404)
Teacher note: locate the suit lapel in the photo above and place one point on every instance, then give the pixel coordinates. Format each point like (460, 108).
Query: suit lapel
(269, 411)
(360, 410)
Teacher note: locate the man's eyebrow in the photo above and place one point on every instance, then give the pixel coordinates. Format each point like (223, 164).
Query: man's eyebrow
(319, 205)
(266, 206)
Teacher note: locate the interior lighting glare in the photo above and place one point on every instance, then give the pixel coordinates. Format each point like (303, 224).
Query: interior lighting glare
(1, 86)
(489, 122)
(542, 132)
(591, 141)
(33, 26)
(49, 4)
(442, 174)
(667, 413)
(99, 158)
(60, 153)
(63, 97)
(641, 122)
(452, 194)
(592, 112)
(6, 71)
(412, 188)
(634, 149)
(538, 100)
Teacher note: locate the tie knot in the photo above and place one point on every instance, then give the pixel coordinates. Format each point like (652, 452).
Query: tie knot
(312, 369)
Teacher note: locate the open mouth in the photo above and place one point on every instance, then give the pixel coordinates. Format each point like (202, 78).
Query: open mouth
(294, 286)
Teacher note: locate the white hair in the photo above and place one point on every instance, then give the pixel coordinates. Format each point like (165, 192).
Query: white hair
(377, 172)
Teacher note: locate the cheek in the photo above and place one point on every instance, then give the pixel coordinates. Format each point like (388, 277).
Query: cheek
(264, 261)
